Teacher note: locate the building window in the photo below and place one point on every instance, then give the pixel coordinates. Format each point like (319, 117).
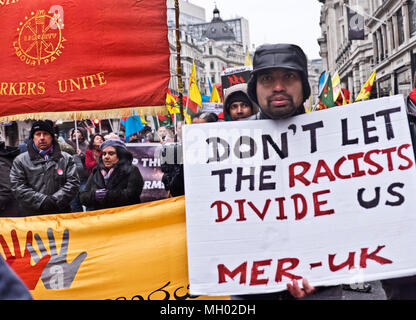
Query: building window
(211, 65)
(393, 41)
(412, 16)
(381, 49)
(210, 50)
(343, 33)
(400, 26)
(213, 79)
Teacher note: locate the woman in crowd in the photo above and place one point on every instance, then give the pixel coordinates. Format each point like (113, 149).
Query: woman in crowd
(92, 154)
(82, 145)
(115, 182)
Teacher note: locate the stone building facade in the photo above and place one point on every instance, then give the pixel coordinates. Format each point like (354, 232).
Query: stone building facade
(214, 45)
(389, 44)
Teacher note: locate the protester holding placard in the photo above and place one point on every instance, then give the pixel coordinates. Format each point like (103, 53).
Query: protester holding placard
(115, 182)
(237, 104)
(279, 85)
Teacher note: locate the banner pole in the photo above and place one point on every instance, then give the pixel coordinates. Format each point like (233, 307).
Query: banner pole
(178, 60)
(75, 131)
(186, 109)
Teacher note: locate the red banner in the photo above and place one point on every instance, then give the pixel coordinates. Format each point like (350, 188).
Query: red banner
(75, 55)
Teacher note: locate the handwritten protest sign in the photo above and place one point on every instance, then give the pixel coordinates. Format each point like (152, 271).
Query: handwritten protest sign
(328, 196)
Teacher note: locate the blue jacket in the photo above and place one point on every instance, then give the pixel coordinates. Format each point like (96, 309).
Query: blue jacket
(11, 287)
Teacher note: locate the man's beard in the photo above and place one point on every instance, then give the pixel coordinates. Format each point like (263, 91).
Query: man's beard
(285, 111)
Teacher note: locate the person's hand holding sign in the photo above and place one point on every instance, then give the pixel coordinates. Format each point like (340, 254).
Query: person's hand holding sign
(297, 291)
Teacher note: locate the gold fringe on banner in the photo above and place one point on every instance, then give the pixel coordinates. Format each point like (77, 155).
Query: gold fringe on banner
(87, 114)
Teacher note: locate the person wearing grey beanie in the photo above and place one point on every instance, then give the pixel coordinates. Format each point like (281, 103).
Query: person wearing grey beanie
(115, 181)
(113, 143)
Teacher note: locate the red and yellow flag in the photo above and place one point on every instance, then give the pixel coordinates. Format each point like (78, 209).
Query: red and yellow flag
(83, 56)
(174, 108)
(366, 89)
(194, 93)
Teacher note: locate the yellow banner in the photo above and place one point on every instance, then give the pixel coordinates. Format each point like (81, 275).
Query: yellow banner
(133, 252)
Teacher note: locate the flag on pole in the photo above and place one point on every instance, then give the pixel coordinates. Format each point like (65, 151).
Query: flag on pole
(336, 85)
(132, 124)
(248, 61)
(326, 98)
(154, 123)
(345, 96)
(366, 89)
(164, 120)
(143, 119)
(194, 93)
(322, 81)
(215, 96)
(174, 109)
(210, 85)
(308, 105)
(171, 104)
(355, 25)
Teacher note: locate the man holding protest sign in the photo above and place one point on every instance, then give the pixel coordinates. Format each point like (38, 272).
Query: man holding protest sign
(279, 81)
(279, 85)
(325, 196)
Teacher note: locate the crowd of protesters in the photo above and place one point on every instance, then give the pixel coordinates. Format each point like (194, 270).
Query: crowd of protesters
(48, 174)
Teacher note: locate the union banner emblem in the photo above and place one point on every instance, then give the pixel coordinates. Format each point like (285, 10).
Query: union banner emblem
(40, 38)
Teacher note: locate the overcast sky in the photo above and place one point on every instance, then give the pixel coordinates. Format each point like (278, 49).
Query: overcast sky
(273, 21)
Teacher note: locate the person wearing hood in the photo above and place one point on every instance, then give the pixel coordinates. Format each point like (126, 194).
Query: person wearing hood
(279, 81)
(43, 179)
(8, 205)
(237, 104)
(279, 85)
(115, 182)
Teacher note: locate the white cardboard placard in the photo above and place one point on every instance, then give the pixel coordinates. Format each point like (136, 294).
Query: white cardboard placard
(328, 196)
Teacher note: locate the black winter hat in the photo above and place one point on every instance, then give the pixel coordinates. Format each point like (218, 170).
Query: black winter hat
(238, 96)
(46, 125)
(281, 55)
